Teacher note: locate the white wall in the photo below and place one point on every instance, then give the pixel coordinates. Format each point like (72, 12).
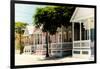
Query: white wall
(5, 34)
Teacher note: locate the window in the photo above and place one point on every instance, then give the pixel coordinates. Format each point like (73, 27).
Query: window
(64, 37)
(31, 39)
(84, 52)
(37, 38)
(70, 36)
(53, 38)
(76, 52)
(43, 39)
(40, 39)
(26, 40)
(59, 37)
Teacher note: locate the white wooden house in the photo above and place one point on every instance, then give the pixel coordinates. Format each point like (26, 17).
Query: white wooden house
(28, 40)
(60, 43)
(83, 32)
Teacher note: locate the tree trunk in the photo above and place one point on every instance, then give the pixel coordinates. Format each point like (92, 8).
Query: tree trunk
(47, 53)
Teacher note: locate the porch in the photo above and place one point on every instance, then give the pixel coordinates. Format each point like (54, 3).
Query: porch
(83, 29)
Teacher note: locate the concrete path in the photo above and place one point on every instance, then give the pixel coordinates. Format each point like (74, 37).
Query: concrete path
(37, 59)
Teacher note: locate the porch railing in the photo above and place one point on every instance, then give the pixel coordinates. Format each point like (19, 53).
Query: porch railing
(55, 49)
(82, 47)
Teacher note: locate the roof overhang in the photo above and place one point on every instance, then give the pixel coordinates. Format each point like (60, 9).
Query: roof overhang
(81, 14)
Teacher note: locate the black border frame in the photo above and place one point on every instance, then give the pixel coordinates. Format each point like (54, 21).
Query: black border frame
(12, 34)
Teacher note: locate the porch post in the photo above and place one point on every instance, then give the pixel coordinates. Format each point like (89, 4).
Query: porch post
(80, 31)
(72, 37)
(61, 42)
(89, 37)
(80, 38)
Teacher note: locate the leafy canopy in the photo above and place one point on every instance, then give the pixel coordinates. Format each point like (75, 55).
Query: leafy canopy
(19, 26)
(52, 17)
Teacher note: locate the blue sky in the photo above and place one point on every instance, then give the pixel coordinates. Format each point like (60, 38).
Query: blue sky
(24, 12)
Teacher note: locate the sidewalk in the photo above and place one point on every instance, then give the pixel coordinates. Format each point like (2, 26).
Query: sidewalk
(37, 59)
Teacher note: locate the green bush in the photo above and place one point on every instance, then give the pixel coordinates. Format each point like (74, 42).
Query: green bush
(17, 47)
(20, 47)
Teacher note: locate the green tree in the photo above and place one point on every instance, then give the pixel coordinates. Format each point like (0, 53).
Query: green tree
(19, 30)
(51, 18)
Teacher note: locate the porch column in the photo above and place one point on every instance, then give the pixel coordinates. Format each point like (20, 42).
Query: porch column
(61, 42)
(80, 38)
(88, 21)
(72, 37)
(80, 32)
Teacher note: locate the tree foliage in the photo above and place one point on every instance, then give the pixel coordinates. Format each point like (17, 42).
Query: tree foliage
(19, 27)
(52, 17)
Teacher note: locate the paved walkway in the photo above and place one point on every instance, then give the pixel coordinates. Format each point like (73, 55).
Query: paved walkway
(37, 59)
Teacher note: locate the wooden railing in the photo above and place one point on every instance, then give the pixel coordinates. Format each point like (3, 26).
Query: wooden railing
(55, 49)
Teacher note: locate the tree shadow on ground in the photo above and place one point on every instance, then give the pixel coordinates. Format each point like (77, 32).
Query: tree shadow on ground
(54, 58)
